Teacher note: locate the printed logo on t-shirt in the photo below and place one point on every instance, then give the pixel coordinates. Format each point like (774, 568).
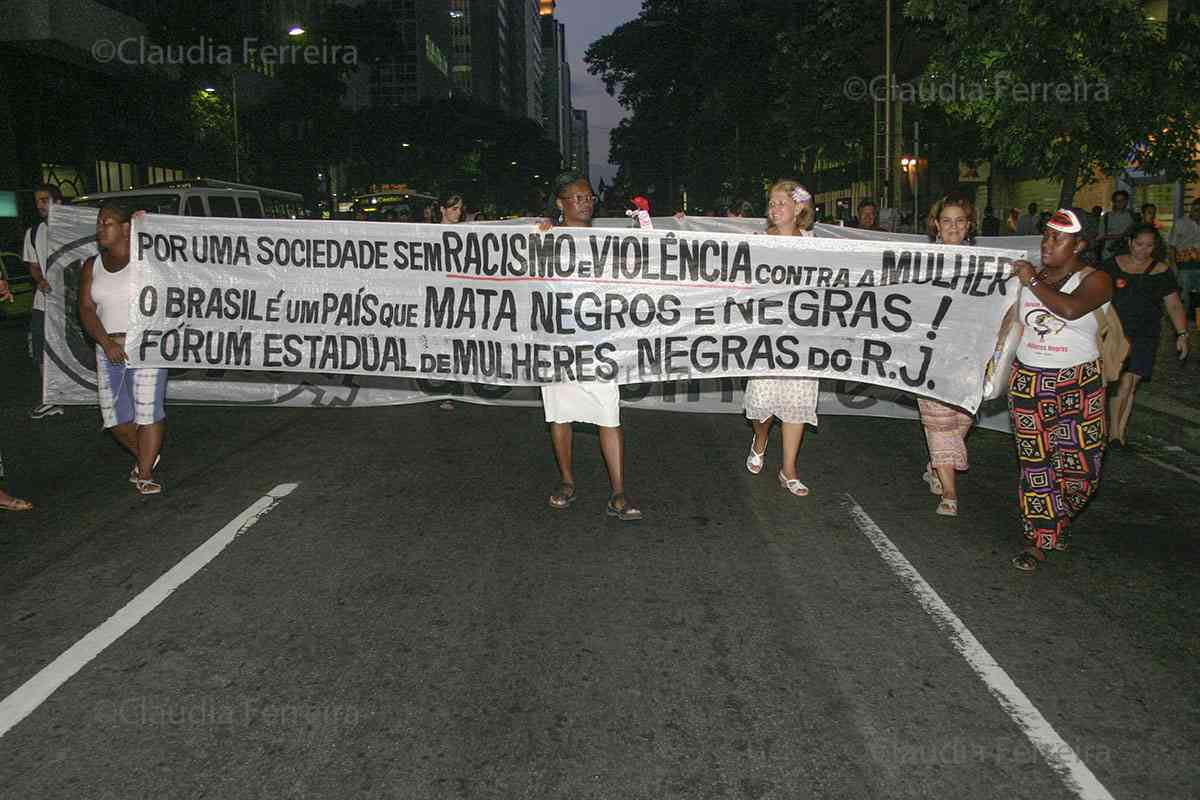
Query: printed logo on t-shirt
(1043, 322)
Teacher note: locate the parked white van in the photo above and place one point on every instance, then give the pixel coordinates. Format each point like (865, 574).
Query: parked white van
(204, 198)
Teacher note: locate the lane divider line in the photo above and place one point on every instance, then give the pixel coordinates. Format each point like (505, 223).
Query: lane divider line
(31, 694)
(1061, 758)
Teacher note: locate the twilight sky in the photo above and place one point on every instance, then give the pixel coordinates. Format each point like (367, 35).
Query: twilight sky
(586, 21)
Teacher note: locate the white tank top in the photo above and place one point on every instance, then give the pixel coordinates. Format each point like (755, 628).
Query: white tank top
(1048, 340)
(111, 294)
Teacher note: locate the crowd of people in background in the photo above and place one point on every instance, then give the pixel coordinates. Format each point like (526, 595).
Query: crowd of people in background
(1062, 416)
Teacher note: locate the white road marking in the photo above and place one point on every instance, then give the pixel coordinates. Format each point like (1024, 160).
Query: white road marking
(1058, 754)
(34, 691)
(1171, 468)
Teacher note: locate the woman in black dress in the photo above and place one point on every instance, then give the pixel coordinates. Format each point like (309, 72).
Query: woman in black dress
(1142, 285)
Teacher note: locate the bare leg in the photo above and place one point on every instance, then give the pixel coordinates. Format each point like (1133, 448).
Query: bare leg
(793, 435)
(947, 475)
(14, 503)
(1116, 410)
(562, 436)
(762, 431)
(126, 435)
(1128, 409)
(149, 443)
(612, 447)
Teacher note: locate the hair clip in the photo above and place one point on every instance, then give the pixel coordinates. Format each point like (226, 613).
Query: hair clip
(801, 195)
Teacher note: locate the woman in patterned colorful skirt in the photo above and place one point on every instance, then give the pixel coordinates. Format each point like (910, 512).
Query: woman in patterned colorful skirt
(1056, 395)
(792, 400)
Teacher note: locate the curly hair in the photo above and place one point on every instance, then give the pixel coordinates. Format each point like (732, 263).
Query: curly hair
(804, 215)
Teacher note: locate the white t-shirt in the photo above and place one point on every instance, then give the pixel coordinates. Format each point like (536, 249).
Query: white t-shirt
(34, 254)
(1185, 234)
(1048, 340)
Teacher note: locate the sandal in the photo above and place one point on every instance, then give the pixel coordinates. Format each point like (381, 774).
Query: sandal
(1026, 561)
(948, 507)
(16, 504)
(134, 474)
(793, 485)
(754, 461)
(148, 486)
(623, 512)
(930, 477)
(563, 496)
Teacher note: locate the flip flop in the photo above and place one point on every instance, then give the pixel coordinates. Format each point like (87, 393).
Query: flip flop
(563, 496)
(1026, 561)
(625, 513)
(16, 504)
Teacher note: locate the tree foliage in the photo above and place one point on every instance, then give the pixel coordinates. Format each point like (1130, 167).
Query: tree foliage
(1066, 89)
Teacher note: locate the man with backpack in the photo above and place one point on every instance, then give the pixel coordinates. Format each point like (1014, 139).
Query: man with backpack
(36, 252)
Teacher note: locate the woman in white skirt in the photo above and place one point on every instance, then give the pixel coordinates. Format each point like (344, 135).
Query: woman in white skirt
(597, 403)
(131, 400)
(792, 400)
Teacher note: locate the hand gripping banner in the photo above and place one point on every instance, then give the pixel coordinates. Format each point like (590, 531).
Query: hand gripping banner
(241, 307)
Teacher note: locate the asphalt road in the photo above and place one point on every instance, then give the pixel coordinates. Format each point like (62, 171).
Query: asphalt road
(413, 621)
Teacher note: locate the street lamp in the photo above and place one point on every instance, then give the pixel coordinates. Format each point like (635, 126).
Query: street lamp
(295, 30)
(237, 160)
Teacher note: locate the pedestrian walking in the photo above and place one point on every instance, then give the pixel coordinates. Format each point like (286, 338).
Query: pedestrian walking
(131, 400)
(1142, 286)
(793, 401)
(7, 501)
(596, 402)
(950, 221)
(1056, 394)
(1185, 252)
(36, 253)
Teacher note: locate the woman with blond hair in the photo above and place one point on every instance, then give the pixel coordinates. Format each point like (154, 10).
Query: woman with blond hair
(950, 221)
(792, 400)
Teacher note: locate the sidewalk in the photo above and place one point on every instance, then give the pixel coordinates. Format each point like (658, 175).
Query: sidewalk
(1168, 406)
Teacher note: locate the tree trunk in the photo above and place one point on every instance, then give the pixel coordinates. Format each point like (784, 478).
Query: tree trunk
(1070, 181)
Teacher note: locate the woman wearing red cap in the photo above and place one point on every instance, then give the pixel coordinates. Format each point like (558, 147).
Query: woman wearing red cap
(1056, 395)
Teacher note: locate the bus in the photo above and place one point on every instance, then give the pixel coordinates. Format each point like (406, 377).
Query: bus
(400, 205)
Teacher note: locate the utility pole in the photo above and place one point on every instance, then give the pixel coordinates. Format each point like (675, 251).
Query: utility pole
(887, 103)
(916, 176)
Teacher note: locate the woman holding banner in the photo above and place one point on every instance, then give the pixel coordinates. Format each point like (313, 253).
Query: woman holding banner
(1056, 395)
(951, 221)
(597, 402)
(451, 208)
(792, 400)
(131, 400)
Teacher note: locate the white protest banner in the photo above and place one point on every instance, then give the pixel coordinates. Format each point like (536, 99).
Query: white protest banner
(526, 308)
(70, 364)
